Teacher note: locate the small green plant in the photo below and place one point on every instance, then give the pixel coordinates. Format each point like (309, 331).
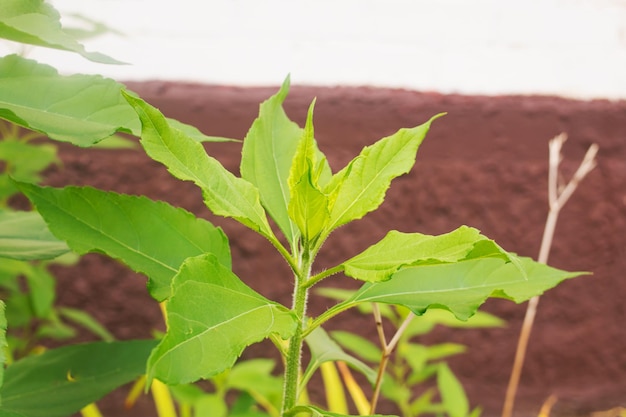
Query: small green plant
(416, 377)
(26, 285)
(212, 315)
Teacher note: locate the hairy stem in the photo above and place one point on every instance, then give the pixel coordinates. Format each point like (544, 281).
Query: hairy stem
(294, 351)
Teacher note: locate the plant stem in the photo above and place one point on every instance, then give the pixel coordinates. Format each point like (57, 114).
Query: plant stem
(388, 348)
(294, 351)
(324, 274)
(557, 199)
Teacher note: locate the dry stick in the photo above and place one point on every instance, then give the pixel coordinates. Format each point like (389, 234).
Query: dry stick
(557, 199)
(387, 349)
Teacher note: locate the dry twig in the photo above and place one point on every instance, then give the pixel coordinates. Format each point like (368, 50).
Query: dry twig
(558, 196)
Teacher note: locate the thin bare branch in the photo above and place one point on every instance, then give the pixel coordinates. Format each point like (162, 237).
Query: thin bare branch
(557, 198)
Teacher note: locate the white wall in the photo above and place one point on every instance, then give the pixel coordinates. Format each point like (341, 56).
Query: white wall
(572, 48)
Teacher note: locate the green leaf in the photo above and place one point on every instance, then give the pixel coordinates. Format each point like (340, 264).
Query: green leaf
(3, 343)
(212, 316)
(85, 320)
(151, 237)
(255, 377)
(361, 186)
(358, 345)
(225, 194)
(25, 236)
(427, 321)
(266, 157)
(397, 250)
(452, 392)
(36, 22)
(318, 412)
(444, 350)
(246, 406)
(308, 207)
(80, 109)
(211, 405)
(25, 161)
(459, 287)
(41, 285)
(60, 382)
(324, 349)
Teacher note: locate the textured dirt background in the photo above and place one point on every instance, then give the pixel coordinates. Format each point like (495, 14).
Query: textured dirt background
(484, 165)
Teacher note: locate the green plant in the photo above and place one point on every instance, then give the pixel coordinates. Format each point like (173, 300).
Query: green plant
(416, 377)
(212, 315)
(36, 97)
(26, 285)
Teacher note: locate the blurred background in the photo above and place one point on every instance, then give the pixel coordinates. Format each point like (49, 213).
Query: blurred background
(570, 48)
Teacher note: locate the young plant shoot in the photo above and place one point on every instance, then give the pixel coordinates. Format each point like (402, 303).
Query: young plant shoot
(286, 181)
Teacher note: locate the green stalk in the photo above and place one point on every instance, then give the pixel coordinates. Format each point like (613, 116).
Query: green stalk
(294, 352)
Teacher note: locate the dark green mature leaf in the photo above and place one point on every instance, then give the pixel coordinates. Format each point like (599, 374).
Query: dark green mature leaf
(361, 186)
(60, 382)
(36, 22)
(80, 109)
(25, 236)
(4, 413)
(224, 193)
(324, 349)
(397, 250)
(149, 236)
(459, 287)
(212, 316)
(318, 412)
(266, 158)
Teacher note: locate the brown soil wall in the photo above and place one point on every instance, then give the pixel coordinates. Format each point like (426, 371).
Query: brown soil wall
(485, 164)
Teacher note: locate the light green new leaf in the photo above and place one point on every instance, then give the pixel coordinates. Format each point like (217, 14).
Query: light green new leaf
(318, 412)
(25, 236)
(80, 109)
(151, 237)
(60, 382)
(308, 206)
(452, 392)
(361, 186)
(324, 349)
(36, 22)
(459, 287)
(397, 250)
(224, 193)
(266, 157)
(212, 316)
